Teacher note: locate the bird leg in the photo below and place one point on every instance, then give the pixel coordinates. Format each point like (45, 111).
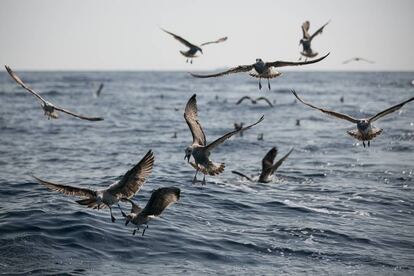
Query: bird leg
(195, 177)
(143, 231)
(122, 212)
(260, 83)
(112, 216)
(204, 180)
(268, 83)
(133, 232)
(363, 142)
(369, 143)
(191, 61)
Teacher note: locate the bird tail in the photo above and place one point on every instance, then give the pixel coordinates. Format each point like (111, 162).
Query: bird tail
(211, 169)
(375, 131)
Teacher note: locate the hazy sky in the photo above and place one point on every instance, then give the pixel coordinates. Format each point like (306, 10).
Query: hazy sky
(125, 35)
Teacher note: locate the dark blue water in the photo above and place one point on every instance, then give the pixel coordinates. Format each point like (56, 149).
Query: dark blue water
(333, 208)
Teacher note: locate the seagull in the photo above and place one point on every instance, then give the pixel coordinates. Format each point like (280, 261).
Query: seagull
(160, 199)
(307, 39)
(268, 166)
(199, 149)
(254, 101)
(98, 92)
(357, 59)
(191, 53)
(49, 108)
(365, 131)
(126, 188)
(260, 137)
(260, 69)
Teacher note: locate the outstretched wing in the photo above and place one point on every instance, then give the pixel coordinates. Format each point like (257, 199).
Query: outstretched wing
(215, 41)
(305, 29)
(161, 199)
(319, 31)
(191, 117)
(242, 175)
(267, 161)
(179, 38)
(367, 60)
(228, 135)
(77, 115)
(332, 113)
(22, 84)
(238, 69)
(278, 163)
(133, 180)
(389, 110)
(294, 63)
(348, 61)
(67, 190)
(266, 100)
(243, 98)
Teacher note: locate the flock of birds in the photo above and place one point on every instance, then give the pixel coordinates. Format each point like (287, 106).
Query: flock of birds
(130, 184)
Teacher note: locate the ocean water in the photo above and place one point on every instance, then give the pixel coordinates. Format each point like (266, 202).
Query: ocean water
(333, 207)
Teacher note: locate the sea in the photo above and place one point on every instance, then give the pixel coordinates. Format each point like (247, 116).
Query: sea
(332, 208)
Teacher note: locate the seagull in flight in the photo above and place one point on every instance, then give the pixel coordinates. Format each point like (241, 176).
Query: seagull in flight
(357, 59)
(365, 131)
(268, 166)
(98, 92)
(193, 49)
(160, 199)
(199, 148)
(260, 69)
(307, 39)
(126, 188)
(49, 108)
(254, 101)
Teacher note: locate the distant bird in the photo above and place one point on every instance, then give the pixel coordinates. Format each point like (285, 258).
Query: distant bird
(239, 127)
(49, 108)
(174, 135)
(357, 59)
(98, 92)
(307, 39)
(191, 53)
(159, 201)
(268, 166)
(260, 137)
(365, 131)
(126, 188)
(297, 122)
(254, 101)
(260, 69)
(342, 99)
(199, 149)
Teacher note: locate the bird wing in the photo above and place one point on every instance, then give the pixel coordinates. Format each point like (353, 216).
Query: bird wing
(332, 113)
(268, 159)
(238, 69)
(179, 38)
(161, 199)
(319, 31)
(294, 63)
(348, 61)
(215, 41)
(305, 29)
(133, 180)
(98, 92)
(243, 98)
(278, 163)
(242, 175)
(67, 190)
(77, 115)
(135, 209)
(191, 117)
(367, 60)
(388, 110)
(223, 138)
(266, 100)
(22, 84)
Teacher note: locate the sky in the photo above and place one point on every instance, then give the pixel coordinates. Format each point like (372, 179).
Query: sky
(126, 35)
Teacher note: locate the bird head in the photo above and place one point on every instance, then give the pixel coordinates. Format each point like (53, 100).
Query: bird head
(188, 152)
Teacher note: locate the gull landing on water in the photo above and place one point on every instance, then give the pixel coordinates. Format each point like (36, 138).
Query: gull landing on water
(159, 201)
(307, 39)
(126, 188)
(49, 108)
(268, 166)
(260, 69)
(365, 131)
(193, 49)
(199, 149)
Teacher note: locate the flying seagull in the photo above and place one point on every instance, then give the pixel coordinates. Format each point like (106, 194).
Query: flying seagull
(365, 131)
(307, 39)
(357, 59)
(49, 108)
(260, 69)
(98, 92)
(199, 149)
(193, 49)
(126, 188)
(254, 101)
(268, 166)
(159, 201)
